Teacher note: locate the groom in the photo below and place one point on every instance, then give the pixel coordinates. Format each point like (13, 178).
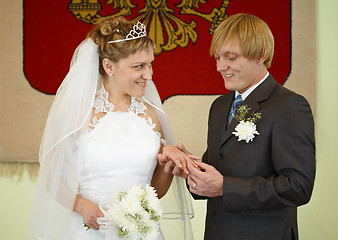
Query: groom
(254, 181)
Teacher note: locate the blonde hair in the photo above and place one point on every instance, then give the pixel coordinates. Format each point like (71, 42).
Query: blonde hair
(253, 34)
(114, 29)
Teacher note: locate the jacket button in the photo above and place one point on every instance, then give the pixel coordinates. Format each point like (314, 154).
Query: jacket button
(220, 155)
(213, 213)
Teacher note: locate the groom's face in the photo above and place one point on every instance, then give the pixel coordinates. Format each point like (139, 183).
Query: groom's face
(239, 73)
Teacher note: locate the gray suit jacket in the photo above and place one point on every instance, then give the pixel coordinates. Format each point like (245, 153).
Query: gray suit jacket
(264, 180)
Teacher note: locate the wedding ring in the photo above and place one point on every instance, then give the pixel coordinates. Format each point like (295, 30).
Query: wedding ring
(193, 186)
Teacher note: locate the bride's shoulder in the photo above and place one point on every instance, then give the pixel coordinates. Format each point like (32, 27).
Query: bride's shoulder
(151, 111)
(100, 108)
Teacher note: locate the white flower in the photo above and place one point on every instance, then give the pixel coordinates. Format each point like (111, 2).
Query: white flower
(133, 214)
(245, 130)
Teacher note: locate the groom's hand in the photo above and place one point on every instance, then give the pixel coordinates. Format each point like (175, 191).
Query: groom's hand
(205, 180)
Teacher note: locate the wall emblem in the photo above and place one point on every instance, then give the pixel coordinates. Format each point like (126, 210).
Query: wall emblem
(166, 29)
(181, 29)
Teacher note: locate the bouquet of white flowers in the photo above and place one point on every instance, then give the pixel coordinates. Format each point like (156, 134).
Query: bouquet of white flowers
(132, 214)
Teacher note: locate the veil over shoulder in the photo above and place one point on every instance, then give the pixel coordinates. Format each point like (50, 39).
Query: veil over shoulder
(178, 210)
(59, 176)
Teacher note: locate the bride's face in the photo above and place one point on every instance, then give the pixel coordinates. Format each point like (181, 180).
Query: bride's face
(130, 75)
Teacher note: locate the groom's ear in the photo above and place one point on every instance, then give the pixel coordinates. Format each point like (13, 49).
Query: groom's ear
(262, 59)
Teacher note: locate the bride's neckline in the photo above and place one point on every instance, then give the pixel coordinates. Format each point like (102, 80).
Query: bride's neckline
(102, 104)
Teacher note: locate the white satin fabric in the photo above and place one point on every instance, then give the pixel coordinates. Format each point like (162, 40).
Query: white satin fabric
(119, 152)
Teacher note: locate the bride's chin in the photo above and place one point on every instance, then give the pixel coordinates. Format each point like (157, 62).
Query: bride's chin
(139, 94)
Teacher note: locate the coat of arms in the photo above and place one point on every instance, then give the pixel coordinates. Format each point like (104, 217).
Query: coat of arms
(167, 30)
(182, 31)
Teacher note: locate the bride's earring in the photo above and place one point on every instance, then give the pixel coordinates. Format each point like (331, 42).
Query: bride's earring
(110, 77)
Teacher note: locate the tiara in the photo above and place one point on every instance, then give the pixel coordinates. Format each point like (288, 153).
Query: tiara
(138, 31)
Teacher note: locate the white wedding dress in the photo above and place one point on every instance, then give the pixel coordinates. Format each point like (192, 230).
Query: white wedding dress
(119, 150)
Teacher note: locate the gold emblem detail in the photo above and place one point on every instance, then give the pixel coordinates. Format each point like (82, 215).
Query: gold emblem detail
(167, 30)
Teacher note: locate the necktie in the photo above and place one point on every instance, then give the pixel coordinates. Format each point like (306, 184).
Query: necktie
(238, 100)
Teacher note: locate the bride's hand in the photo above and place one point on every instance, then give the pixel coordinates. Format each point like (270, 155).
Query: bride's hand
(181, 158)
(171, 167)
(181, 147)
(89, 211)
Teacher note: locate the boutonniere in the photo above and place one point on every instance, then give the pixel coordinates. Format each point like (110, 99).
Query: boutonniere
(246, 129)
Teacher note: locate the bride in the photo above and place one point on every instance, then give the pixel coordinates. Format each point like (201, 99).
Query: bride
(103, 133)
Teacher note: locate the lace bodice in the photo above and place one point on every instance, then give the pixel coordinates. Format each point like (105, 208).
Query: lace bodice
(102, 105)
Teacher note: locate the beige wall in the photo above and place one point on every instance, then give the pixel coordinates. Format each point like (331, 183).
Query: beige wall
(317, 220)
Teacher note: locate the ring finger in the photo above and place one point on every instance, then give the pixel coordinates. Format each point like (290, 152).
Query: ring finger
(192, 183)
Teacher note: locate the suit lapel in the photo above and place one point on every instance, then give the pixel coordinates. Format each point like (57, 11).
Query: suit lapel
(261, 93)
(225, 109)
